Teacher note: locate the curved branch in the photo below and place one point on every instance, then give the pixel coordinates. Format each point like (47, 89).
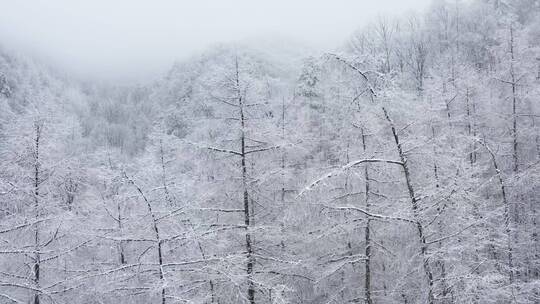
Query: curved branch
(347, 166)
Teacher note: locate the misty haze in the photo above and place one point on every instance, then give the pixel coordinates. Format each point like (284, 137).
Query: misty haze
(270, 152)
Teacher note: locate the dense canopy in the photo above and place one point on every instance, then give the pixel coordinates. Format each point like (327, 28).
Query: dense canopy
(403, 168)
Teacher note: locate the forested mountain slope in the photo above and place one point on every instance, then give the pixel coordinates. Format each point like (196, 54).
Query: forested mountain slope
(403, 168)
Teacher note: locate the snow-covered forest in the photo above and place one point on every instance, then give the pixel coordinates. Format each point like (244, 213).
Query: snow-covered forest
(402, 168)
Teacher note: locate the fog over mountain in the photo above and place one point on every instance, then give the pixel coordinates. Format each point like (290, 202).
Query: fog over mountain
(133, 41)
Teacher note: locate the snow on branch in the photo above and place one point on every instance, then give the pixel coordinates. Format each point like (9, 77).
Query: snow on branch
(5, 230)
(220, 210)
(11, 298)
(350, 65)
(66, 251)
(280, 273)
(354, 256)
(451, 235)
(373, 215)
(215, 149)
(184, 263)
(262, 149)
(344, 168)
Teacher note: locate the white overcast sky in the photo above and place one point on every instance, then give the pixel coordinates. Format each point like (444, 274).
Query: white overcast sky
(136, 40)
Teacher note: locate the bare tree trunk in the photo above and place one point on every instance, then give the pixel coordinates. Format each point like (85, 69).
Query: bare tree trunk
(507, 217)
(247, 216)
(538, 68)
(120, 245)
(248, 212)
(156, 235)
(435, 166)
(514, 103)
(403, 158)
(471, 128)
(118, 219)
(169, 199)
(38, 128)
(367, 275)
(414, 205)
(283, 181)
(440, 210)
